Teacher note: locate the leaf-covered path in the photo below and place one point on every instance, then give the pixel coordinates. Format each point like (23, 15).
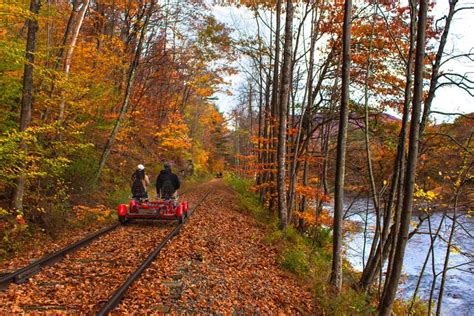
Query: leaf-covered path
(218, 263)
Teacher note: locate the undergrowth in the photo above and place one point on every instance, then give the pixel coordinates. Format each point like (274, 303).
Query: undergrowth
(302, 255)
(309, 257)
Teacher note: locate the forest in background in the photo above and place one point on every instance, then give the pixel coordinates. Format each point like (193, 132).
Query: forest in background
(91, 88)
(102, 87)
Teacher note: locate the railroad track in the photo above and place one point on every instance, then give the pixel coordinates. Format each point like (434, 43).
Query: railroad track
(114, 299)
(23, 274)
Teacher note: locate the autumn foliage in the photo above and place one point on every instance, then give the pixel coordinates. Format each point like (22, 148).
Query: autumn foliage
(83, 61)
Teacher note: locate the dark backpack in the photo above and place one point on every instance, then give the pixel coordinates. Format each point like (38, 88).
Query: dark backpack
(138, 191)
(167, 190)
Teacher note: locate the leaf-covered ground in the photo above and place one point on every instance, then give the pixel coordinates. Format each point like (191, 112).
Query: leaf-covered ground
(218, 263)
(43, 244)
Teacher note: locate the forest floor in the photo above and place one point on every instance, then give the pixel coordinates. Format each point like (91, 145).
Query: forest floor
(218, 263)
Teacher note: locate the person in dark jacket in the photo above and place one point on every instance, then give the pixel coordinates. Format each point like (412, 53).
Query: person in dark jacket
(139, 183)
(167, 183)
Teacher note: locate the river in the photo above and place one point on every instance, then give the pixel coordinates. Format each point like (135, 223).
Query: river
(458, 298)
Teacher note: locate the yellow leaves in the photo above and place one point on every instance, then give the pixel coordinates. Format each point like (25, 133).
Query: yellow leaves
(100, 212)
(425, 195)
(457, 184)
(454, 249)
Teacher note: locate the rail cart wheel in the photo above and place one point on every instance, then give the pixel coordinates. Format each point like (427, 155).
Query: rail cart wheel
(122, 219)
(181, 219)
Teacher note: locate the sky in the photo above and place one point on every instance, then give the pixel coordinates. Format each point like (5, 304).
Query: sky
(448, 99)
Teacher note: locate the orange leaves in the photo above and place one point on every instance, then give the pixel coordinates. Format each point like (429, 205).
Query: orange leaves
(312, 219)
(174, 135)
(311, 193)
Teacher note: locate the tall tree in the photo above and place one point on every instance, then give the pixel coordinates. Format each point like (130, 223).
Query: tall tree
(392, 279)
(27, 94)
(389, 234)
(128, 90)
(274, 100)
(284, 101)
(70, 50)
(336, 270)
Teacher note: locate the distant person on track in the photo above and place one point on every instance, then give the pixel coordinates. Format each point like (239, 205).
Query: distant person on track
(167, 183)
(140, 182)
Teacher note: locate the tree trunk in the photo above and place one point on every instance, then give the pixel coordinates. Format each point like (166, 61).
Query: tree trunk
(448, 247)
(70, 51)
(130, 78)
(336, 270)
(373, 189)
(65, 36)
(436, 66)
(391, 283)
(396, 187)
(305, 115)
(27, 96)
(274, 102)
(284, 100)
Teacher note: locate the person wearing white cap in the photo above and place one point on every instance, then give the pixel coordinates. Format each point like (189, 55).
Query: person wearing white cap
(140, 182)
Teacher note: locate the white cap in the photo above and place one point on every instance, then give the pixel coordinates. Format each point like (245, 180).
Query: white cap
(141, 167)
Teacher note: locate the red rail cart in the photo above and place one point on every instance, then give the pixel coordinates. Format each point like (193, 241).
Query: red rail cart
(159, 210)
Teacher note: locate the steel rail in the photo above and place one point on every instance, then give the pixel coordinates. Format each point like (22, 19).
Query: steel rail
(26, 272)
(117, 296)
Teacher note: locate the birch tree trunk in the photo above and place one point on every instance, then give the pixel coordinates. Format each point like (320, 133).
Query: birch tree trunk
(284, 101)
(274, 102)
(336, 270)
(70, 50)
(27, 96)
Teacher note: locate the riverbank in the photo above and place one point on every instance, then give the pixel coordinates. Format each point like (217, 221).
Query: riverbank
(457, 298)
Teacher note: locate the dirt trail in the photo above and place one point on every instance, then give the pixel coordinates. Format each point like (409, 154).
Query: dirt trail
(218, 264)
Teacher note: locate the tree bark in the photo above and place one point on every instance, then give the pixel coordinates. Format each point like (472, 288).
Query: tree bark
(305, 114)
(336, 270)
(66, 36)
(391, 283)
(373, 189)
(27, 95)
(284, 100)
(274, 102)
(396, 186)
(70, 50)
(436, 66)
(130, 78)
